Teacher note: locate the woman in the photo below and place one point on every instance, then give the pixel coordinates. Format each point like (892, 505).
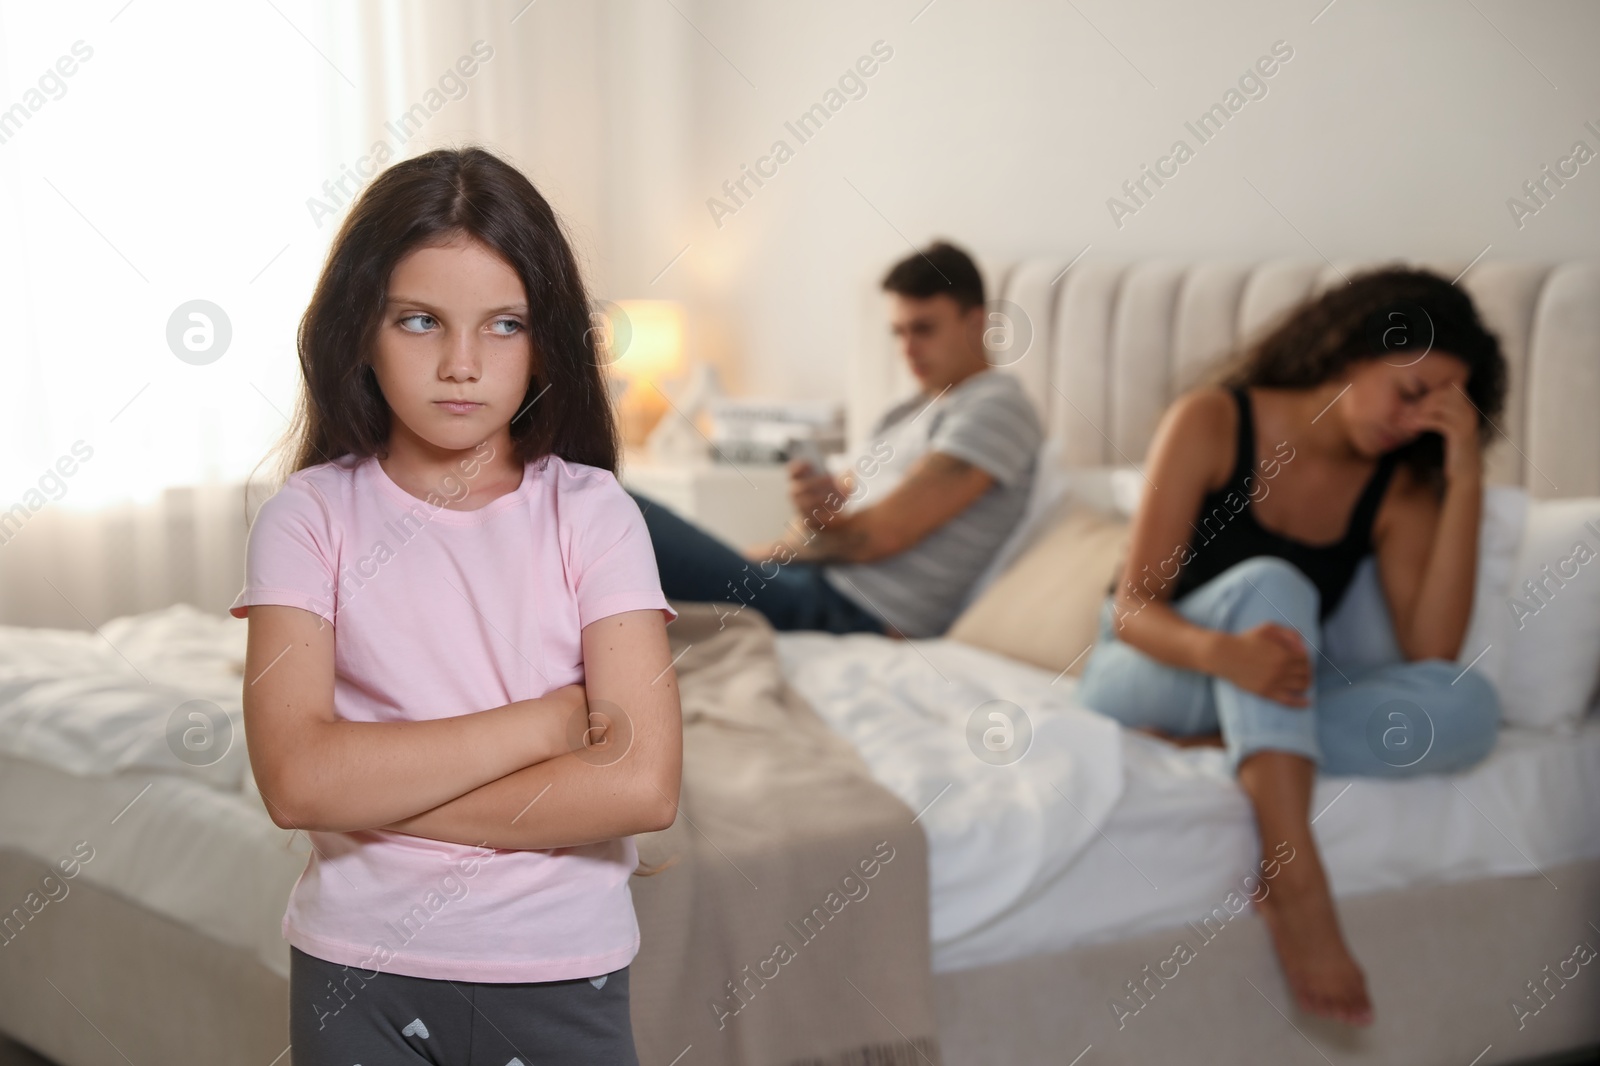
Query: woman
(1356, 426)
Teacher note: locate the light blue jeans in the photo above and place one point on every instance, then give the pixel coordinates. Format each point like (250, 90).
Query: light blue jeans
(1371, 714)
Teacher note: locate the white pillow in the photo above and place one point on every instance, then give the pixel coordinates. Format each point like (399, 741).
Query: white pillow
(1110, 489)
(1549, 616)
(1360, 633)
(1505, 517)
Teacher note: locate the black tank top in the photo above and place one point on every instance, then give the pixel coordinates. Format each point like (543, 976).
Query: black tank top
(1226, 532)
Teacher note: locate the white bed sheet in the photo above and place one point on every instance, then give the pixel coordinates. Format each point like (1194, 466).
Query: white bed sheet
(121, 700)
(1179, 838)
(917, 711)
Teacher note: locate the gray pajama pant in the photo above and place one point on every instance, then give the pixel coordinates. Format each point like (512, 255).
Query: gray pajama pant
(345, 1016)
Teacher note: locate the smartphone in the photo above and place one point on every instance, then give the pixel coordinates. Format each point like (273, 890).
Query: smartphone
(806, 450)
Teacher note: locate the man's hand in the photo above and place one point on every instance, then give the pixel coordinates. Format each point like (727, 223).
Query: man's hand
(936, 488)
(811, 490)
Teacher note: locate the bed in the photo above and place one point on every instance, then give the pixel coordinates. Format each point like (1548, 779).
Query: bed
(1020, 907)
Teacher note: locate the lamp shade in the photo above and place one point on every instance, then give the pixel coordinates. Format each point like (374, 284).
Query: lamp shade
(651, 339)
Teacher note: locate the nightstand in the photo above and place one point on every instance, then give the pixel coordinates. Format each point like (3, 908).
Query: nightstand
(740, 503)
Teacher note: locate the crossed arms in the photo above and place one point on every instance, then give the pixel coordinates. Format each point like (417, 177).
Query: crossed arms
(518, 776)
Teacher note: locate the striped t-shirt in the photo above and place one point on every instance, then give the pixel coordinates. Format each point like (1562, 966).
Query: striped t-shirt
(985, 419)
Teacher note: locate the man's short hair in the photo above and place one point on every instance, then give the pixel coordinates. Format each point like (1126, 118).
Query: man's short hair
(939, 268)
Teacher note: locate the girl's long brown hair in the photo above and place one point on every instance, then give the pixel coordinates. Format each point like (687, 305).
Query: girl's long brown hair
(428, 200)
(1348, 323)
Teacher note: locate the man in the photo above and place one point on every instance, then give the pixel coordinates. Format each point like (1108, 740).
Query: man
(895, 547)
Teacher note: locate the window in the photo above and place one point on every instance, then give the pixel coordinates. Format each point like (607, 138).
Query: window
(153, 155)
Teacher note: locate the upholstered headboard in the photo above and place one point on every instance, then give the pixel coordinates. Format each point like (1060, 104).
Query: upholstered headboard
(1104, 347)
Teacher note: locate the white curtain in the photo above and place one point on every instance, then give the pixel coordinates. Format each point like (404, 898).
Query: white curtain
(172, 165)
(161, 152)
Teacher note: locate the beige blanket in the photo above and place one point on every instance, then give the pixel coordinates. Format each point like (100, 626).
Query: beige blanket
(792, 925)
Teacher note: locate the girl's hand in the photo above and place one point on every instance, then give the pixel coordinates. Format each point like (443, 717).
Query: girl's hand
(561, 720)
(1449, 413)
(1269, 660)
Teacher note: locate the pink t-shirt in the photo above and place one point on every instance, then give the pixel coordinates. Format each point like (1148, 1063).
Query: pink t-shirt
(440, 612)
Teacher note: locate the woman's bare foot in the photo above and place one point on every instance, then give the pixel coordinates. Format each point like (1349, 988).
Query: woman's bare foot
(1199, 740)
(1298, 908)
(1324, 976)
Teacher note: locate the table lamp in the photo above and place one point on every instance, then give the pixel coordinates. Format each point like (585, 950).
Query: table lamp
(647, 345)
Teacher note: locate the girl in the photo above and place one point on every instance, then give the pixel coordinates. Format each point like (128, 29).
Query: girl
(1354, 427)
(458, 682)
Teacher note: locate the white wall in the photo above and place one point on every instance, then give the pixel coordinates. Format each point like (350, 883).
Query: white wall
(179, 168)
(1005, 125)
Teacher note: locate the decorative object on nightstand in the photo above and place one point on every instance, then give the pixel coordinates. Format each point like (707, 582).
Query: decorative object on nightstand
(677, 435)
(767, 431)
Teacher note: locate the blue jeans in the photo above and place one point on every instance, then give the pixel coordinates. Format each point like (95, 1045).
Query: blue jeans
(1382, 718)
(694, 565)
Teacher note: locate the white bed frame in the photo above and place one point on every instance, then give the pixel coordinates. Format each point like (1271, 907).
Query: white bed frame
(1110, 347)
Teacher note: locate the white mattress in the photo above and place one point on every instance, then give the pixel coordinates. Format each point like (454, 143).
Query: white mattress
(1180, 837)
(90, 727)
(1094, 835)
(205, 858)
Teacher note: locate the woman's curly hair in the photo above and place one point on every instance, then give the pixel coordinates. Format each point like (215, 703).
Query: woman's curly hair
(1400, 315)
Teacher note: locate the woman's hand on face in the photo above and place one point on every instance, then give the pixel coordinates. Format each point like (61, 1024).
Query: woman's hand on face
(1269, 660)
(1448, 412)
